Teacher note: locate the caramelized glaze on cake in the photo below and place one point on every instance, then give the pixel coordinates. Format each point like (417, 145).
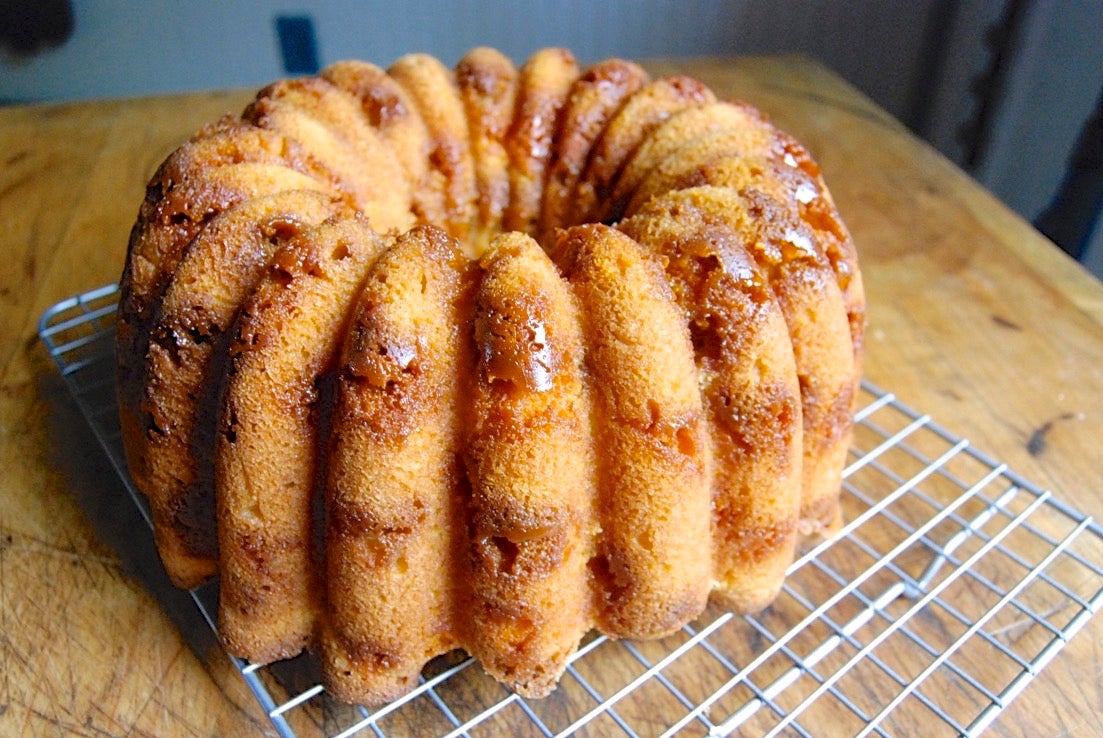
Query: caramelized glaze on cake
(356, 387)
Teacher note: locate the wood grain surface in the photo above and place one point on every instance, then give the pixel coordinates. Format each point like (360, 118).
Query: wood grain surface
(974, 318)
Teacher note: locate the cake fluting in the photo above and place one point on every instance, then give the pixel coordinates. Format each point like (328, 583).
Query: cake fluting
(420, 359)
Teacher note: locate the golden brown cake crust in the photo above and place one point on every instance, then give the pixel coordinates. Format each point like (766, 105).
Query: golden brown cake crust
(671, 135)
(353, 384)
(488, 84)
(758, 156)
(287, 337)
(198, 182)
(546, 79)
(432, 87)
(804, 286)
(331, 123)
(529, 469)
(594, 99)
(393, 114)
(397, 522)
(749, 384)
(809, 260)
(219, 269)
(653, 468)
(636, 119)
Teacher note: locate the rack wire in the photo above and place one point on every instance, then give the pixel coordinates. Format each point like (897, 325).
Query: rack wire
(952, 585)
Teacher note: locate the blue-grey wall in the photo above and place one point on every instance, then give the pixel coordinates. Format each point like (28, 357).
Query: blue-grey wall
(136, 47)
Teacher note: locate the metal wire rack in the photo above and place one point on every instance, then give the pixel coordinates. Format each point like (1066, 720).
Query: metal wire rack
(953, 583)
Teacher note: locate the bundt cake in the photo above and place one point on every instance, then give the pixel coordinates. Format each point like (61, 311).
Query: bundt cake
(421, 359)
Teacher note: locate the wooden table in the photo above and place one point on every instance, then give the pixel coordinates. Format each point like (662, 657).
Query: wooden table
(974, 318)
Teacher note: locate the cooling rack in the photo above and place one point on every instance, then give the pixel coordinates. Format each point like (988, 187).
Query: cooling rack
(952, 585)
